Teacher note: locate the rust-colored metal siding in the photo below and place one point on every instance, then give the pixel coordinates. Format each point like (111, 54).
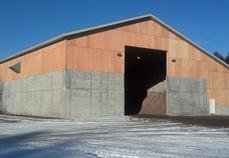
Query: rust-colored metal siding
(98, 52)
(47, 59)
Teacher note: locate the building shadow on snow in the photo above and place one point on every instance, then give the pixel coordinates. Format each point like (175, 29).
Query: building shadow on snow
(32, 145)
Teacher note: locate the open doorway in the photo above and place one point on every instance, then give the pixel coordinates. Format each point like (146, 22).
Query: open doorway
(144, 68)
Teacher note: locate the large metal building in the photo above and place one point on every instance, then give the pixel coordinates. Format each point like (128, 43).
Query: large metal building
(134, 66)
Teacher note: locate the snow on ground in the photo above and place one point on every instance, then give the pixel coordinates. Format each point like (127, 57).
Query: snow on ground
(111, 137)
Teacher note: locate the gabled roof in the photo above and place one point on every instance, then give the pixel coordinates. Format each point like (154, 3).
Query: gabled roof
(90, 30)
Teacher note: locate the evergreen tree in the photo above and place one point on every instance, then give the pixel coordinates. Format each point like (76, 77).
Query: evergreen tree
(218, 55)
(226, 59)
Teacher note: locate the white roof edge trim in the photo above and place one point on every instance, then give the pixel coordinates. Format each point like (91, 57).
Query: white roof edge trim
(189, 41)
(64, 35)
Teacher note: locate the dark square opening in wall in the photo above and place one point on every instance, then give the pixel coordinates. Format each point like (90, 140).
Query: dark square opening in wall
(144, 68)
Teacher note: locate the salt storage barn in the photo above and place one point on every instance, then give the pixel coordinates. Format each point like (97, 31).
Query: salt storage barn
(134, 66)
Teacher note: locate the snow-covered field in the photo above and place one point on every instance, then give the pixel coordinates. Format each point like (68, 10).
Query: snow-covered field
(111, 137)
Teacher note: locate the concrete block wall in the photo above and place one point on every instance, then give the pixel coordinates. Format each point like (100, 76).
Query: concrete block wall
(65, 94)
(96, 94)
(41, 95)
(186, 96)
(222, 110)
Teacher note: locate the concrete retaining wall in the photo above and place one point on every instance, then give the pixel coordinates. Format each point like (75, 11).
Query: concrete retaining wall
(222, 110)
(65, 94)
(76, 94)
(38, 96)
(186, 96)
(96, 94)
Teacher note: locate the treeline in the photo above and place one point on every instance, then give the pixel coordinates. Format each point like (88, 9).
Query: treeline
(224, 58)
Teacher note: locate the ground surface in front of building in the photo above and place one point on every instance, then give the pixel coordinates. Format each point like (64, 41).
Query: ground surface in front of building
(112, 137)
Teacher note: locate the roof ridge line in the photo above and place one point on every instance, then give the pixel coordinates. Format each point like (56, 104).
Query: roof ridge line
(67, 34)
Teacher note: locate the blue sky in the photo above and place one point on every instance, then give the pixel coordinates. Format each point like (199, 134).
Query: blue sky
(24, 23)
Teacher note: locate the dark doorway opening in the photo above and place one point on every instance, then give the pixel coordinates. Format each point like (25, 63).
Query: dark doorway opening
(144, 68)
